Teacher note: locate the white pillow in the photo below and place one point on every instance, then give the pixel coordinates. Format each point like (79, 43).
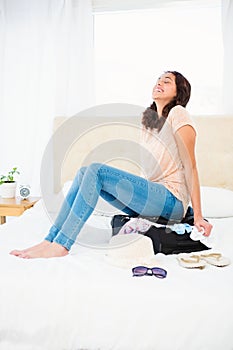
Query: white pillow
(216, 202)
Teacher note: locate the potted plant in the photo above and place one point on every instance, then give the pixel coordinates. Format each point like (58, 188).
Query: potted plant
(8, 183)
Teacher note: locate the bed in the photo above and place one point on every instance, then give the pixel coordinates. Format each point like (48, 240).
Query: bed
(81, 302)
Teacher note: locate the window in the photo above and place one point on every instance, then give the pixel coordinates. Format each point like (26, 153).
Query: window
(132, 48)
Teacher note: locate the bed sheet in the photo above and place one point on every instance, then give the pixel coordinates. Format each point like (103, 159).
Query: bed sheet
(81, 302)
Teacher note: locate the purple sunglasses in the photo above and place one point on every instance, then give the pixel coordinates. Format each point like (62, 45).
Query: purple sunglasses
(146, 271)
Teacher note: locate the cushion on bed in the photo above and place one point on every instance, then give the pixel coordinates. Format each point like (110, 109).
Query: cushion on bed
(216, 202)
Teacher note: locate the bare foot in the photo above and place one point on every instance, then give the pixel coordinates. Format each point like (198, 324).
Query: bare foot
(33, 248)
(51, 250)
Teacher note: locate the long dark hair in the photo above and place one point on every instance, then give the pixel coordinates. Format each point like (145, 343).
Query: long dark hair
(150, 117)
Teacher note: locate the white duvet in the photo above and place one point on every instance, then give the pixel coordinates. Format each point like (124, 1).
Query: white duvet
(80, 302)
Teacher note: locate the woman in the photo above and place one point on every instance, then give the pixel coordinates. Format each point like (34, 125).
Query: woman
(168, 142)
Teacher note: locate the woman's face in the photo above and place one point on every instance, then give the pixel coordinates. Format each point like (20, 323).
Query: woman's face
(165, 88)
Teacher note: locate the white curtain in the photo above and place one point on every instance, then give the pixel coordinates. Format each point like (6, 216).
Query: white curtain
(227, 28)
(46, 70)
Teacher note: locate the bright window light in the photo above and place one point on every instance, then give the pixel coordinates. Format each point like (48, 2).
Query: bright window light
(133, 48)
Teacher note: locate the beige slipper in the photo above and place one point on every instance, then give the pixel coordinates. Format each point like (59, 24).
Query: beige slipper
(191, 261)
(216, 259)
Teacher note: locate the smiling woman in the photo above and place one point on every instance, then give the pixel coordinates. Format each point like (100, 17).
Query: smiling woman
(169, 182)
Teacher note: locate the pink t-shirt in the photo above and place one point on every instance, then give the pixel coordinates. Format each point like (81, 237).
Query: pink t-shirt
(160, 157)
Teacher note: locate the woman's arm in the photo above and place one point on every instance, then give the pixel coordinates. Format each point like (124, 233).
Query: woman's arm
(186, 139)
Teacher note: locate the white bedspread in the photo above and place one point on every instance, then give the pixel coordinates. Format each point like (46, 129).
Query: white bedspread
(81, 302)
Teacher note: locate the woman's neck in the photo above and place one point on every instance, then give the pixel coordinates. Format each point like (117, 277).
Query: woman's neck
(160, 107)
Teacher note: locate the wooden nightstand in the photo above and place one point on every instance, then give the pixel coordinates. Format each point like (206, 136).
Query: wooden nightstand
(15, 206)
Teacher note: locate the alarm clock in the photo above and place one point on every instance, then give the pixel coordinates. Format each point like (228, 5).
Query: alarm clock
(24, 191)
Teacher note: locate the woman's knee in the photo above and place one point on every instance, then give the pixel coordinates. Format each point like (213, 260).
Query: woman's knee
(94, 167)
(79, 176)
(82, 170)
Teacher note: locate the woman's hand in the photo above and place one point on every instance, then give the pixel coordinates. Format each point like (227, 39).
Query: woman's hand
(202, 224)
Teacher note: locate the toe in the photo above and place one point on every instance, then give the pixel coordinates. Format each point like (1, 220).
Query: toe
(16, 252)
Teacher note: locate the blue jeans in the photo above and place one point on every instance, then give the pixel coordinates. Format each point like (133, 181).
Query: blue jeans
(130, 193)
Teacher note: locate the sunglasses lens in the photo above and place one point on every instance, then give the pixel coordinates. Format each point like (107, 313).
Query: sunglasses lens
(139, 270)
(158, 272)
(143, 270)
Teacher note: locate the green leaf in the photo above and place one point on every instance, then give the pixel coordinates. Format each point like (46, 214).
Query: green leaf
(10, 176)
